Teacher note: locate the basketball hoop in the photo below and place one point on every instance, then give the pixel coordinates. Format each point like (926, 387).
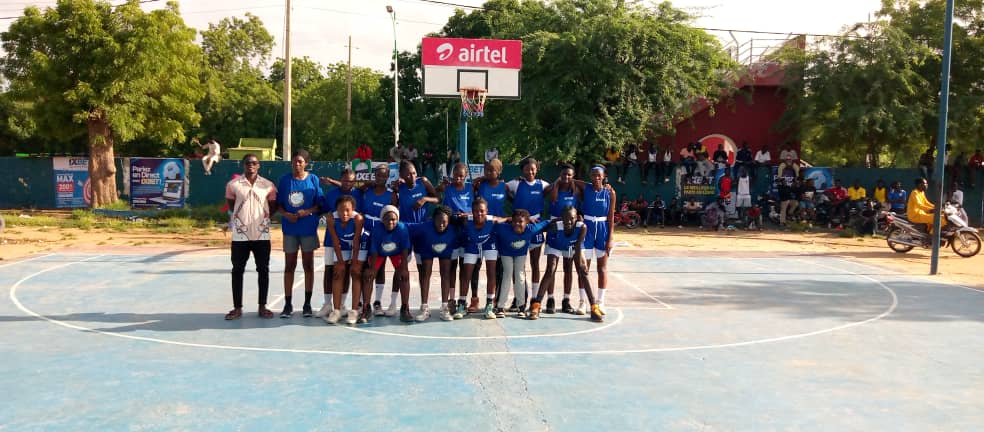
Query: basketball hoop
(473, 101)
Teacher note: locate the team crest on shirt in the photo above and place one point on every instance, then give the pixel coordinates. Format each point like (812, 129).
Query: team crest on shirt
(439, 247)
(388, 247)
(518, 244)
(296, 199)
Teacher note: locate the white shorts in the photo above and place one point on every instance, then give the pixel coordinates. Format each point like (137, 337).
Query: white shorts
(457, 253)
(346, 255)
(487, 255)
(569, 253)
(743, 201)
(593, 253)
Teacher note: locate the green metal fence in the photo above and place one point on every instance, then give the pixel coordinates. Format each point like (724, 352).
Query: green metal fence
(29, 183)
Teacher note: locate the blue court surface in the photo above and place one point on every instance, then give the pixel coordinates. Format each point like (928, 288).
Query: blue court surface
(806, 343)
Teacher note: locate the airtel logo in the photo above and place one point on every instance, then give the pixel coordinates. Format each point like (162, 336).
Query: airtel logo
(444, 51)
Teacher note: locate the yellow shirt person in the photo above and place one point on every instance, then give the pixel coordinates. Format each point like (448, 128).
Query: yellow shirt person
(919, 209)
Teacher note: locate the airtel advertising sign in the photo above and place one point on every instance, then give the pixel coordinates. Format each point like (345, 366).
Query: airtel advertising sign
(490, 53)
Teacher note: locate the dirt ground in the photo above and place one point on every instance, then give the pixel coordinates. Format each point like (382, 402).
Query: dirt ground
(20, 242)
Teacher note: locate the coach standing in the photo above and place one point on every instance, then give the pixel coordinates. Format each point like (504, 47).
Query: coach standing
(253, 199)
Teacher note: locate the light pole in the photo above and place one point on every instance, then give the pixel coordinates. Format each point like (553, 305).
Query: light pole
(396, 81)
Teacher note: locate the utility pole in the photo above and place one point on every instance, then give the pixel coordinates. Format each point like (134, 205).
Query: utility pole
(941, 137)
(396, 82)
(287, 85)
(348, 106)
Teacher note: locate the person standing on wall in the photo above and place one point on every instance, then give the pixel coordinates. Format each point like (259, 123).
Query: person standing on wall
(252, 200)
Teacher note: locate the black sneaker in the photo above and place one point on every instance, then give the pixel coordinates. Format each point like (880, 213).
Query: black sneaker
(500, 313)
(308, 312)
(366, 315)
(288, 310)
(405, 315)
(565, 306)
(551, 306)
(512, 307)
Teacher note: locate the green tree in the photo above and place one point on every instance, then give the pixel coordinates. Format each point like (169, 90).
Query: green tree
(111, 73)
(922, 22)
(239, 102)
(861, 97)
(320, 119)
(596, 73)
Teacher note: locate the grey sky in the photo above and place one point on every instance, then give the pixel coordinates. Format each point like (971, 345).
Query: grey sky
(320, 28)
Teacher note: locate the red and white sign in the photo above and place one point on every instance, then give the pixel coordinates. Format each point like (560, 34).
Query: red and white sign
(488, 53)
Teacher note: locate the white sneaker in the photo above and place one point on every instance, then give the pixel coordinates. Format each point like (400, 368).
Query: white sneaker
(334, 316)
(423, 314)
(392, 310)
(324, 311)
(353, 317)
(446, 314)
(582, 308)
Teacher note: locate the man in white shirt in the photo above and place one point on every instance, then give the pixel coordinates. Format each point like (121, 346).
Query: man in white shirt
(410, 153)
(762, 158)
(252, 200)
(788, 158)
(491, 153)
(396, 153)
(214, 154)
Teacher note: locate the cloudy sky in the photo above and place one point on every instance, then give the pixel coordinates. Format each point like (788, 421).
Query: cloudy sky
(320, 28)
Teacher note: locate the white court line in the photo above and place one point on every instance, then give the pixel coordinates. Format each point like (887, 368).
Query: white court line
(888, 311)
(896, 273)
(542, 335)
(636, 287)
(26, 260)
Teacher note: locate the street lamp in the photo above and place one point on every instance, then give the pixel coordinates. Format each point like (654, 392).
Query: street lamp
(396, 82)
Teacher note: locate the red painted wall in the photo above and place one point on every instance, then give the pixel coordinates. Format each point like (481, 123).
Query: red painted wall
(741, 119)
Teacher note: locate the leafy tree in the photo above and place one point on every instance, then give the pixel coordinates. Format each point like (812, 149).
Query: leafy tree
(238, 102)
(304, 72)
(596, 73)
(107, 73)
(320, 118)
(860, 97)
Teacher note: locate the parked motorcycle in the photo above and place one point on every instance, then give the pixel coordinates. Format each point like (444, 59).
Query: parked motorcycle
(903, 235)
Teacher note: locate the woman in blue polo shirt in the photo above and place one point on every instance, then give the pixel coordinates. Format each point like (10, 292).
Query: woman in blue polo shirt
(298, 195)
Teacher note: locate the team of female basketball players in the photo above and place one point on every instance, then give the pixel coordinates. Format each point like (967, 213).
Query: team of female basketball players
(468, 228)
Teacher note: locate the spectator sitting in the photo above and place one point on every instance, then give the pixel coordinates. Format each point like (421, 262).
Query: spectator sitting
(743, 160)
(612, 156)
(690, 212)
(713, 217)
(762, 158)
(630, 159)
(687, 158)
(897, 198)
(704, 166)
(868, 220)
(838, 202)
(491, 153)
(754, 217)
(880, 194)
(806, 199)
(856, 194)
(640, 204)
(720, 157)
(410, 153)
(652, 162)
(673, 213)
(789, 159)
(396, 152)
(428, 160)
(655, 212)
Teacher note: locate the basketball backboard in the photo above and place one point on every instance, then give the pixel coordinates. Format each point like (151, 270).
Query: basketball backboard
(450, 64)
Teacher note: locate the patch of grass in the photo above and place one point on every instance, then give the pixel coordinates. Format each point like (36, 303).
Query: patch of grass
(121, 204)
(25, 220)
(175, 225)
(81, 219)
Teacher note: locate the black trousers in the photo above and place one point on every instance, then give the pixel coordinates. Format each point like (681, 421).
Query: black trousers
(240, 256)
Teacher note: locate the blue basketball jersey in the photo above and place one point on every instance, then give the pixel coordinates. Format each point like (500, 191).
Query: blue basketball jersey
(331, 197)
(564, 199)
(562, 241)
(596, 203)
(495, 196)
(346, 234)
(511, 244)
(428, 243)
(529, 196)
(372, 207)
(389, 243)
(460, 201)
(408, 198)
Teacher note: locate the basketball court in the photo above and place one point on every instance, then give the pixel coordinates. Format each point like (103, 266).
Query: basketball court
(116, 341)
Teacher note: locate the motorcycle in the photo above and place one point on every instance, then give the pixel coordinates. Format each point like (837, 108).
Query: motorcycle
(903, 235)
(627, 218)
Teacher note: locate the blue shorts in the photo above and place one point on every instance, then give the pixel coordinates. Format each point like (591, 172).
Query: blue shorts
(597, 235)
